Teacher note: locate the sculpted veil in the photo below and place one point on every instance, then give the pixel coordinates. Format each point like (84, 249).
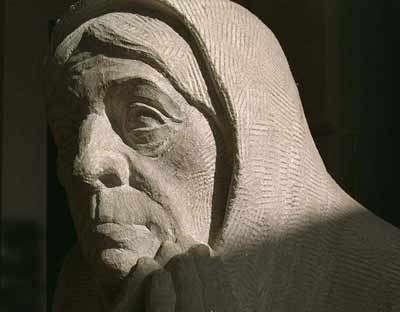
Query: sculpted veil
(193, 180)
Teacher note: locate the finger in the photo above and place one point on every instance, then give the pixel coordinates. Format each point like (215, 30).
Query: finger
(207, 273)
(160, 293)
(186, 242)
(200, 250)
(145, 266)
(218, 294)
(167, 251)
(134, 287)
(188, 286)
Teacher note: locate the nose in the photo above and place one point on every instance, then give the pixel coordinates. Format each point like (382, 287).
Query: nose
(110, 179)
(99, 162)
(101, 169)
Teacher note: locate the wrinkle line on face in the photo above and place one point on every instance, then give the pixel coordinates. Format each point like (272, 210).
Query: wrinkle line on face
(143, 187)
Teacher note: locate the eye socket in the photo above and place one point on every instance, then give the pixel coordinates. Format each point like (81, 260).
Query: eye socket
(146, 118)
(143, 117)
(147, 129)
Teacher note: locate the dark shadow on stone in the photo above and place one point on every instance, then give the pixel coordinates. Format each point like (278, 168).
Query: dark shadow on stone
(22, 284)
(60, 233)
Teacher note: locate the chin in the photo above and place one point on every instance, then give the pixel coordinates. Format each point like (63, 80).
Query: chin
(113, 250)
(113, 265)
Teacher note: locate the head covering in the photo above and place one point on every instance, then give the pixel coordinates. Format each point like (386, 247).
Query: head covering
(291, 239)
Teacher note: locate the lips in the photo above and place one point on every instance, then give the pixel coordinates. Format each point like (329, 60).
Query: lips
(124, 225)
(134, 238)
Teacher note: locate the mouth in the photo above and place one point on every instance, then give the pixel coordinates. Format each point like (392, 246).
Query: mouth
(134, 238)
(115, 211)
(113, 249)
(124, 225)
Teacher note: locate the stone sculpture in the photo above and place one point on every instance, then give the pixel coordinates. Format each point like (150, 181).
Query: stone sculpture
(193, 180)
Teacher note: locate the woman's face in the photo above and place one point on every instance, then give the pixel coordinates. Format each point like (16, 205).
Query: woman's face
(137, 161)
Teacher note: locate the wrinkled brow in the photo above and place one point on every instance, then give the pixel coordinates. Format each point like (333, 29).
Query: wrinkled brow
(112, 44)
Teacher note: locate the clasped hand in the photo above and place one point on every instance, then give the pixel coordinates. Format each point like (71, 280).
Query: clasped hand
(177, 282)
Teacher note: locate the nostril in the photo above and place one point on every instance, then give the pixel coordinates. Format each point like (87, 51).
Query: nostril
(110, 180)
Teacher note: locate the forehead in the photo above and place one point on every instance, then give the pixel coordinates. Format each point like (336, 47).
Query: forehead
(119, 30)
(97, 72)
(91, 75)
(124, 37)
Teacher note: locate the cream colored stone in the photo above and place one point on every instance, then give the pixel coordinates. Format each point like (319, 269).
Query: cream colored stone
(193, 179)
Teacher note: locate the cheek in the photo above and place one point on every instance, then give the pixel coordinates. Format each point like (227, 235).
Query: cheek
(192, 162)
(194, 152)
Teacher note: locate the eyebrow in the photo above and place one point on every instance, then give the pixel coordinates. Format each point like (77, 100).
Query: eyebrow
(93, 42)
(146, 91)
(151, 94)
(146, 84)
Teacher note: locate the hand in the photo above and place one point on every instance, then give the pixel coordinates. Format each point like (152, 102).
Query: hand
(190, 281)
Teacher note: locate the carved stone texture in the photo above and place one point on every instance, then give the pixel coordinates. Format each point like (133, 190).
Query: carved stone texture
(193, 180)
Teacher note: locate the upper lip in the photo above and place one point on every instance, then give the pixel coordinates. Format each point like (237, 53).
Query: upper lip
(115, 236)
(100, 222)
(127, 225)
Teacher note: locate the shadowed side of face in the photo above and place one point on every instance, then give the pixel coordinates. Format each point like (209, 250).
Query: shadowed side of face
(137, 160)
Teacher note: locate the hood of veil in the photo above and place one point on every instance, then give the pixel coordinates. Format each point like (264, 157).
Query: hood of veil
(286, 221)
(236, 73)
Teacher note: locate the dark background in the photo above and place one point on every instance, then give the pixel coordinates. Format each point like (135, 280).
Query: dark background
(342, 54)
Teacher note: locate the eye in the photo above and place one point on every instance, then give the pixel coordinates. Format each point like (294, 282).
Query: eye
(147, 129)
(143, 117)
(146, 118)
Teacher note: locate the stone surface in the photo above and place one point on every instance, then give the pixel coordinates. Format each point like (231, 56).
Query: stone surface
(193, 179)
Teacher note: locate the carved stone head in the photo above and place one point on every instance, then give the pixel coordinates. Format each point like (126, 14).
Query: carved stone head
(180, 122)
(137, 157)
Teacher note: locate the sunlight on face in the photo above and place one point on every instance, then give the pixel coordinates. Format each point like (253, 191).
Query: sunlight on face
(137, 160)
